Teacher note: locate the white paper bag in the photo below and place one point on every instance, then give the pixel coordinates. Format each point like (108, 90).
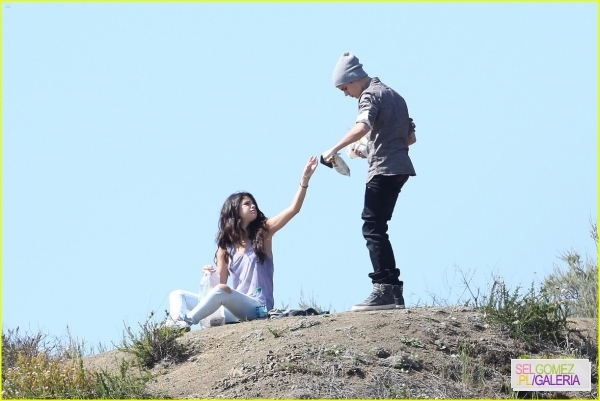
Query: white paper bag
(217, 318)
(340, 165)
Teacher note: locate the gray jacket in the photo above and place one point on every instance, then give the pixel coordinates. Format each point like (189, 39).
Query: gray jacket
(386, 113)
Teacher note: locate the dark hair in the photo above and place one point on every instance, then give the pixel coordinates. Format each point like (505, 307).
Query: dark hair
(230, 232)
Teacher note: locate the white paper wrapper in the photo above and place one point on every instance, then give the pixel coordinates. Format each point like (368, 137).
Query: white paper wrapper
(207, 282)
(217, 318)
(340, 165)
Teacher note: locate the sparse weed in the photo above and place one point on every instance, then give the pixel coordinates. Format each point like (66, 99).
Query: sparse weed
(410, 362)
(332, 352)
(277, 332)
(314, 369)
(311, 303)
(286, 365)
(464, 369)
(393, 392)
(390, 385)
(465, 365)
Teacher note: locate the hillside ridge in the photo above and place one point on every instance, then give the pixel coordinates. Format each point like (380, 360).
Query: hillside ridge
(426, 352)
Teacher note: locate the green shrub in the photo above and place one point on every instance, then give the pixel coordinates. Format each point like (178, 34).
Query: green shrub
(34, 367)
(154, 343)
(577, 286)
(533, 317)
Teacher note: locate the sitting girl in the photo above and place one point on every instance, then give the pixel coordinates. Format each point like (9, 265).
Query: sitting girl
(244, 251)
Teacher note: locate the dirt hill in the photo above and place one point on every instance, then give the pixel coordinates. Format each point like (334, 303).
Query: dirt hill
(411, 353)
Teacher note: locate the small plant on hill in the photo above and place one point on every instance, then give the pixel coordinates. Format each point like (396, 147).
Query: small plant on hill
(389, 384)
(333, 351)
(413, 342)
(277, 332)
(154, 343)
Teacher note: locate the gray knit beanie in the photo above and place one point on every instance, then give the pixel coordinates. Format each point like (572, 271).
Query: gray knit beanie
(347, 69)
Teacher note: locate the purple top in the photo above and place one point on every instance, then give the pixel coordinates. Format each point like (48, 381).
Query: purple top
(247, 273)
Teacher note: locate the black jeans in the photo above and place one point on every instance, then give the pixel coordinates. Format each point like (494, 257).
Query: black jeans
(381, 194)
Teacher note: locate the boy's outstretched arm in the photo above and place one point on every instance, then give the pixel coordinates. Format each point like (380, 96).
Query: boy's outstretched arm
(358, 131)
(278, 222)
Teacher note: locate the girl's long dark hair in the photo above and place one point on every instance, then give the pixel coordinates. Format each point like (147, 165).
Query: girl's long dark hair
(230, 230)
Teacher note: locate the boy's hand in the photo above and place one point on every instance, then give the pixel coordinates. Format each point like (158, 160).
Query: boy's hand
(327, 159)
(330, 164)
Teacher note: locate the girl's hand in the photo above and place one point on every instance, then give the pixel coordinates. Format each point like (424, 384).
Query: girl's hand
(310, 167)
(209, 268)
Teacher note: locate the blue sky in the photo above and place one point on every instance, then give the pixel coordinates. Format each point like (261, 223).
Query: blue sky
(126, 125)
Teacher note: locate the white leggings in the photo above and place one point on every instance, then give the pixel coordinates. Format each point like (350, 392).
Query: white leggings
(238, 306)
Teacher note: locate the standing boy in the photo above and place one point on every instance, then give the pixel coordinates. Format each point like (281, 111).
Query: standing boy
(383, 117)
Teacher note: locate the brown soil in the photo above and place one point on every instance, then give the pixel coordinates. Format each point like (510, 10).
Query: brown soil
(412, 353)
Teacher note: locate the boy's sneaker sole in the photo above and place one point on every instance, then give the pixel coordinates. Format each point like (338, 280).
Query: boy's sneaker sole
(356, 308)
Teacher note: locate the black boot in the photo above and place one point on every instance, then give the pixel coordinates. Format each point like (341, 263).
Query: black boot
(397, 290)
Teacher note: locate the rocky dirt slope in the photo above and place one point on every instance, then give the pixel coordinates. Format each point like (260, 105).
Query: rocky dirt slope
(411, 353)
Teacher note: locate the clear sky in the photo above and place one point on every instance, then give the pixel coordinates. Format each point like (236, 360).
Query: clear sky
(125, 126)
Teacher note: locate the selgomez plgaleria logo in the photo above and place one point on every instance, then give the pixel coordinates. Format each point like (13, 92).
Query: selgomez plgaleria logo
(551, 374)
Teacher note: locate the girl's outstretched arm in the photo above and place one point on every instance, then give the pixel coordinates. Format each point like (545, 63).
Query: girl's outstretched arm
(277, 222)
